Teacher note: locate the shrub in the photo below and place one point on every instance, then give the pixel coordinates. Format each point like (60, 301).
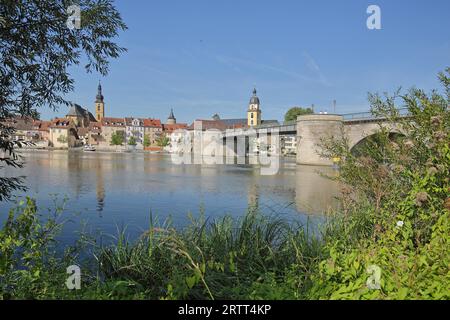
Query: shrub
(406, 184)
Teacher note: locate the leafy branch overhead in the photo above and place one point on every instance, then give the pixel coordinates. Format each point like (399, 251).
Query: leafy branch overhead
(37, 48)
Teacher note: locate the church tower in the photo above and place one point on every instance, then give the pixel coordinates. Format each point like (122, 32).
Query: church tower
(171, 119)
(99, 104)
(254, 111)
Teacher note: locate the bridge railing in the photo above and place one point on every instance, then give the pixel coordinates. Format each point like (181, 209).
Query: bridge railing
(276, 125)
(289, 123)
(355, 116)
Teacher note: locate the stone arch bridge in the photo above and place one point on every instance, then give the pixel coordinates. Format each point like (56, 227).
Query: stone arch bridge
(309, 130)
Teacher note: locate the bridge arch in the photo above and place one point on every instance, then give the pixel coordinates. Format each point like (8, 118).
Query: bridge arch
(358, 133)
(312, 128)
(358, 148)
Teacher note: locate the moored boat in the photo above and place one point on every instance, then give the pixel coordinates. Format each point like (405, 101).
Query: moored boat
(89, 148)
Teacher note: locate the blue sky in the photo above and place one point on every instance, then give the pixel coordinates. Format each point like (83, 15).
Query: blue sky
(202, 57)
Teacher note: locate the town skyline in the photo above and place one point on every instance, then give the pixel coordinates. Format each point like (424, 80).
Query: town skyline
(100, 111)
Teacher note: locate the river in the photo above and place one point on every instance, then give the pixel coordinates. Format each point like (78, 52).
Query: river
(106, 191)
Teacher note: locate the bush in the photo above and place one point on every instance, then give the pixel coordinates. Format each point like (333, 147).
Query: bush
(406, 184)
(29, 268)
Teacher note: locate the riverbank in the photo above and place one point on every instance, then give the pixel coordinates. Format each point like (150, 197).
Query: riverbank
(255, 257)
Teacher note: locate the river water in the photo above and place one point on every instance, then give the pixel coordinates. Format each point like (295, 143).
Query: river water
(107, 191)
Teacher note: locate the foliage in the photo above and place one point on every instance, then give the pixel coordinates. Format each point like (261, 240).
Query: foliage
(162, 141)
(221, 259)
(206, 260)
(36, 50)
(132, 141)
(9, 158)
(406, 184)
(147, 142)
(28, 268)
(117, 138)
(294, 112)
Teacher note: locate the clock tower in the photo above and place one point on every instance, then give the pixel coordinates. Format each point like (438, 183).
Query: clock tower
(254, 111)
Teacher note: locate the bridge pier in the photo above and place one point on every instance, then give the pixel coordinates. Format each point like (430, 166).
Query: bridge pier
(310, 129)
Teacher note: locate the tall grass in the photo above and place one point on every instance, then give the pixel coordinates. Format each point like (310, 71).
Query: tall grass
(219, 259)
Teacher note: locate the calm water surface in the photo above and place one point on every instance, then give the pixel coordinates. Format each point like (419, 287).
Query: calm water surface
(110, 190)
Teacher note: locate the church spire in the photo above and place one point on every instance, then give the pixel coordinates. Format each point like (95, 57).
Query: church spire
(171, 119)
(254, 100)
(171, 116)
(99, 97)
(99, 104)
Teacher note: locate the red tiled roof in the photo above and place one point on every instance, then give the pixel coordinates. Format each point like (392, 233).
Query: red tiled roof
(95, 127)
(152, 123)
(238, 126)
(113, 122)
(59, 122)
(44, 125)
(173, 127)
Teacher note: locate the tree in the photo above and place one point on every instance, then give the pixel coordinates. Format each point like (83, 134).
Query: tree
(162, 141)
(147, 142)
(132, 141)
(117, 138)
(296, 111)
(36, 49)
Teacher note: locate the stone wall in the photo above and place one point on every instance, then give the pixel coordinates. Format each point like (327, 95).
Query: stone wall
(310, 129)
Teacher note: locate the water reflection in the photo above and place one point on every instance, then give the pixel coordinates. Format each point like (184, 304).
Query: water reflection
(314, 193)
(114, 188)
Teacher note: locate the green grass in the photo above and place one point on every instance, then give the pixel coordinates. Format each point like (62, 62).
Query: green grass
(249, 257)
(221, 259)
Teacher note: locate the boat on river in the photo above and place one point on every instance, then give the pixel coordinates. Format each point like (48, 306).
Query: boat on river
(89, 148)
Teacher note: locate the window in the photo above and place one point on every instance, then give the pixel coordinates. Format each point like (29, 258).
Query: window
(252, 115)
(251, 122)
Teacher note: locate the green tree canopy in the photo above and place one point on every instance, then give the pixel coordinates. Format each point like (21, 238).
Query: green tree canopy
(147, 142)
(117, 138)
(163, 141)
(36, 49)
(296, 111)
(132, 141)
